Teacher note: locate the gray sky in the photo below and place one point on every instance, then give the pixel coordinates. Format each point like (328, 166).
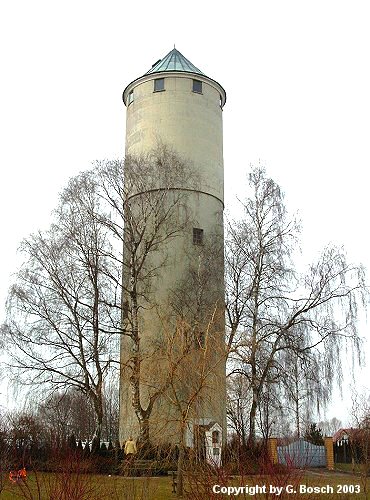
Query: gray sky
(297, 82)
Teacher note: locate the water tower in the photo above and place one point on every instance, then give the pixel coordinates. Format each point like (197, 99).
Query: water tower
(176, 104)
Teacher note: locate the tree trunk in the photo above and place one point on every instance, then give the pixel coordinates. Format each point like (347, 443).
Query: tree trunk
(296, 400)
(242, 427)
(99, 414)
(255, 391)
(180, 464)
(142, 415)
(144, 432)
(252, 421)
(298, 423)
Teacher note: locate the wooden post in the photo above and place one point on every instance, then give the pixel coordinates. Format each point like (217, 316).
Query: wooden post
(329, 453)
(272, 450)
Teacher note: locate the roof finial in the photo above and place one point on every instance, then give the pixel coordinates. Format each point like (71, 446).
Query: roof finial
(174, 46)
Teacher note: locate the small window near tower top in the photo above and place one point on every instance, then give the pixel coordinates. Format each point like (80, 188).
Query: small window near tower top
(197, 236)
(130, 97)
(197, 86)
(158, 84)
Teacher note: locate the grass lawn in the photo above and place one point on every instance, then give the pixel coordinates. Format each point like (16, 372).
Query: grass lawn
(356, 468)
(43, 486)
(345, 485)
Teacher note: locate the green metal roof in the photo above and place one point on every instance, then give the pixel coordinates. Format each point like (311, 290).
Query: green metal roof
(174, 61)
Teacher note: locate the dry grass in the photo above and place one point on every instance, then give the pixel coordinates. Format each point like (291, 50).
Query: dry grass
(44, 486)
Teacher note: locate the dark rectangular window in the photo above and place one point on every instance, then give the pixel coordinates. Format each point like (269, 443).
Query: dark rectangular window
(158, 84)
(197, 86)
(197, 236)
(131, 97)
(215, 437)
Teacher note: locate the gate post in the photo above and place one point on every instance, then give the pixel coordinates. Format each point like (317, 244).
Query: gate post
(272, 450)
(329, 453)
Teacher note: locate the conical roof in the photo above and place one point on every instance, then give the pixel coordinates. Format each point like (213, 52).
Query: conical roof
(174, 61)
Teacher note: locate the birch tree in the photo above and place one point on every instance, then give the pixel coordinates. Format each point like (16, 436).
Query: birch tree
(87, 279)
(305, 386)
(271, 307)
(62, 320)
(149, 204)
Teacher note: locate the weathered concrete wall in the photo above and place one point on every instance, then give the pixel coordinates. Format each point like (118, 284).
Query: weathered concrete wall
(191, 124)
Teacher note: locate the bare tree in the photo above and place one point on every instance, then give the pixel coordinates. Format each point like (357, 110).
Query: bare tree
(61, 317)
(271, 308)
(150, 211)
(25, 435)
(63, 414)
(71, 302)
(306, 386)
(330, 427)
(111, 409)
(238, 403)
(272, 417)
(194, 353)
(66, 413)
(192, 368)
(359, 437)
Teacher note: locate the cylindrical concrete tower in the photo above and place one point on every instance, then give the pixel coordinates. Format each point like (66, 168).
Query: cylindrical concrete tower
(177, 105)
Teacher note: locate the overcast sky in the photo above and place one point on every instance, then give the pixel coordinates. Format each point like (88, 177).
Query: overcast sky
(297, 81)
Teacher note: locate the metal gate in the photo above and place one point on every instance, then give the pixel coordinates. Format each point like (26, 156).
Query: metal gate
(301, 453)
